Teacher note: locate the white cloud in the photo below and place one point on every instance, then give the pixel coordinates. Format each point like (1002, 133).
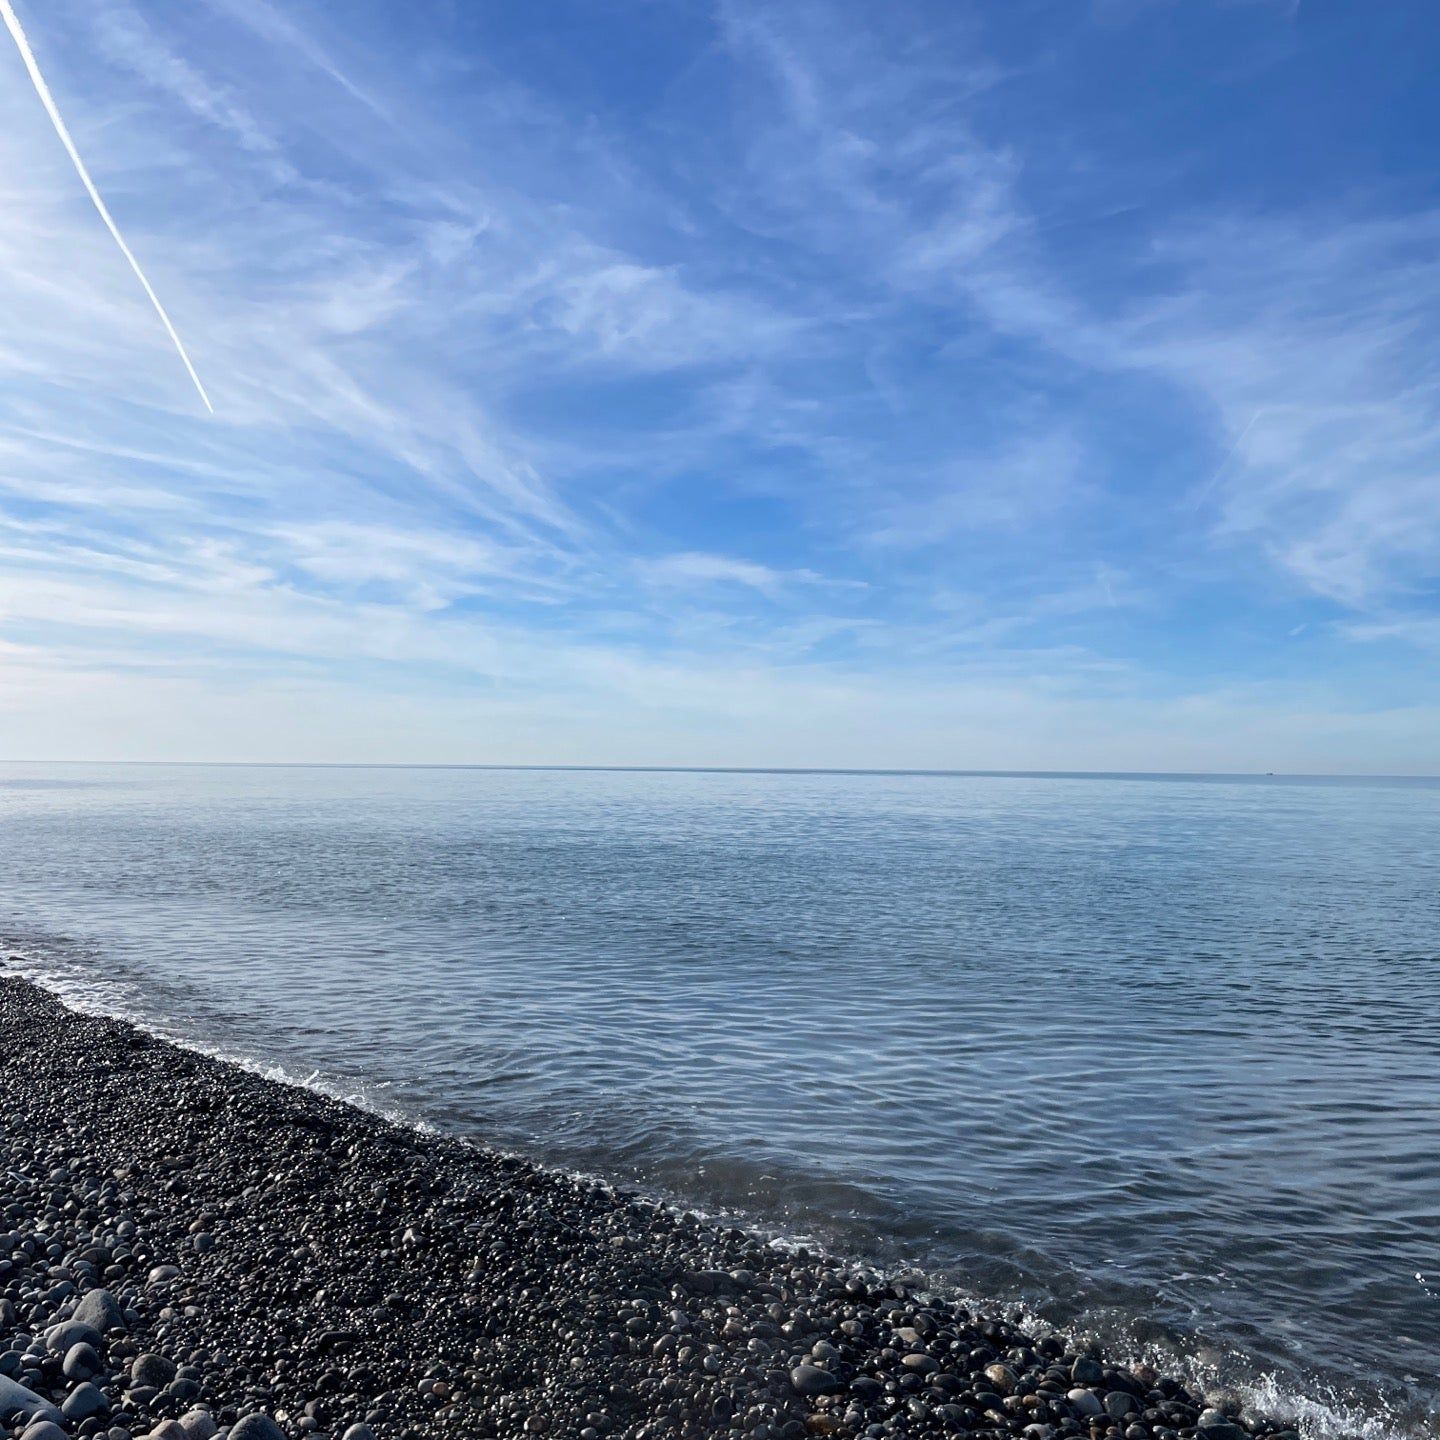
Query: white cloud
(1022, 484)
(696, 569)
(462, 425)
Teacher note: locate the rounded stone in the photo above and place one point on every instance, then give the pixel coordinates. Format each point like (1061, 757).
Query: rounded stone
(64, 1337)
(43, 1430)
(84, 1402)
(812, 1380)
(198, 1424)
(1002, 1377)
(256, 1427)
(81, 1362)
(100, 1310)
(152, 1371)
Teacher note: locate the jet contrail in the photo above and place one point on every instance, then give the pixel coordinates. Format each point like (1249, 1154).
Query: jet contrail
(12, 23)
(1203, 492)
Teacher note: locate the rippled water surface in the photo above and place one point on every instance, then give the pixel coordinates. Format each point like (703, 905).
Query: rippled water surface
(1157, 1057)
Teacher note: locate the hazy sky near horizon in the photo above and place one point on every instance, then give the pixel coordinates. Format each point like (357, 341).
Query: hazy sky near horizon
(799, 382)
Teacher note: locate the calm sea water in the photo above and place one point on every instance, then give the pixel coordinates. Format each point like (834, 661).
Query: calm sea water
(1158, 1058)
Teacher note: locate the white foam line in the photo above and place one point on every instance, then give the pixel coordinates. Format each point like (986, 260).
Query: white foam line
(12, 23)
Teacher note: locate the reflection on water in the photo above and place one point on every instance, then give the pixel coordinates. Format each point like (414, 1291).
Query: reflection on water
(1160, 1057)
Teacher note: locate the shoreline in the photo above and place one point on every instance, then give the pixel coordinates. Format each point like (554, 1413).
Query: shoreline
(306, 1260)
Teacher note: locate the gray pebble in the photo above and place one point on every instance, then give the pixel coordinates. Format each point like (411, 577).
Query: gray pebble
(198, 1424)
(83, 1402)
(69, 1333)
(152, 1371)
(100, 1310)
(1216, 1425)
(81, 1362)
(256, 1427)
(43, 1430)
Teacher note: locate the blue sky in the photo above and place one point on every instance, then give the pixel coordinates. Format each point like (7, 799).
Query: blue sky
(794, 382)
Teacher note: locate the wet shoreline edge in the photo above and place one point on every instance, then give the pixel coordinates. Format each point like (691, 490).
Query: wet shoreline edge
(272, 1252)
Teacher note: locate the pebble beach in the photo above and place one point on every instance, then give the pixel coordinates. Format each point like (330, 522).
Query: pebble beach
(190, 1251)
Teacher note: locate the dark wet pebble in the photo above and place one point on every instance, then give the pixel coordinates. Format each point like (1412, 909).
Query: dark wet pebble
(812, 1380)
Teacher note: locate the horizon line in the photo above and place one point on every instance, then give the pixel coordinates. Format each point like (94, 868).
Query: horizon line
(877, 770)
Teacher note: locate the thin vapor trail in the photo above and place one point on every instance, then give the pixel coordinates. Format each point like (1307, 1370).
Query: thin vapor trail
(1203, 492)
(12, 23)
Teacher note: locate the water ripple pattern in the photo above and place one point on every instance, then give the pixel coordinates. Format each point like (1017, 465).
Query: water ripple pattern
(1159, 1058)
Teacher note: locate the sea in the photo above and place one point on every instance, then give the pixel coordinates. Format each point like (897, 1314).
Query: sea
(1149, 1059)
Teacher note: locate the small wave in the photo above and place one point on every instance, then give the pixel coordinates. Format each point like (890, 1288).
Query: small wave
(82, 991)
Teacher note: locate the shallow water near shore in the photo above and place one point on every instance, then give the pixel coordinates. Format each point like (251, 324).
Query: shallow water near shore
(1159, 1058)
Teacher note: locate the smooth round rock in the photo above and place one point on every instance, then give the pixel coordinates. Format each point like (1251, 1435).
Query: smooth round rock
(1002, 1377)
(65, 1336)
(198, 1424)
(19, 1400)
(1216, 1425)
(81, 1362)
(256, 1427)
(152, 1371)
(83, 1402)
(812, 1380)
(43, 1430)
(100, 1310)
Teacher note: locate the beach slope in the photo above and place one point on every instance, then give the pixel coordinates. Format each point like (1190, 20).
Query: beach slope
(186, 1246)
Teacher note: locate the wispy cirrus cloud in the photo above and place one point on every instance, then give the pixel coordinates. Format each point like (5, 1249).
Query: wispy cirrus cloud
(692, 569)
(818, 367)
